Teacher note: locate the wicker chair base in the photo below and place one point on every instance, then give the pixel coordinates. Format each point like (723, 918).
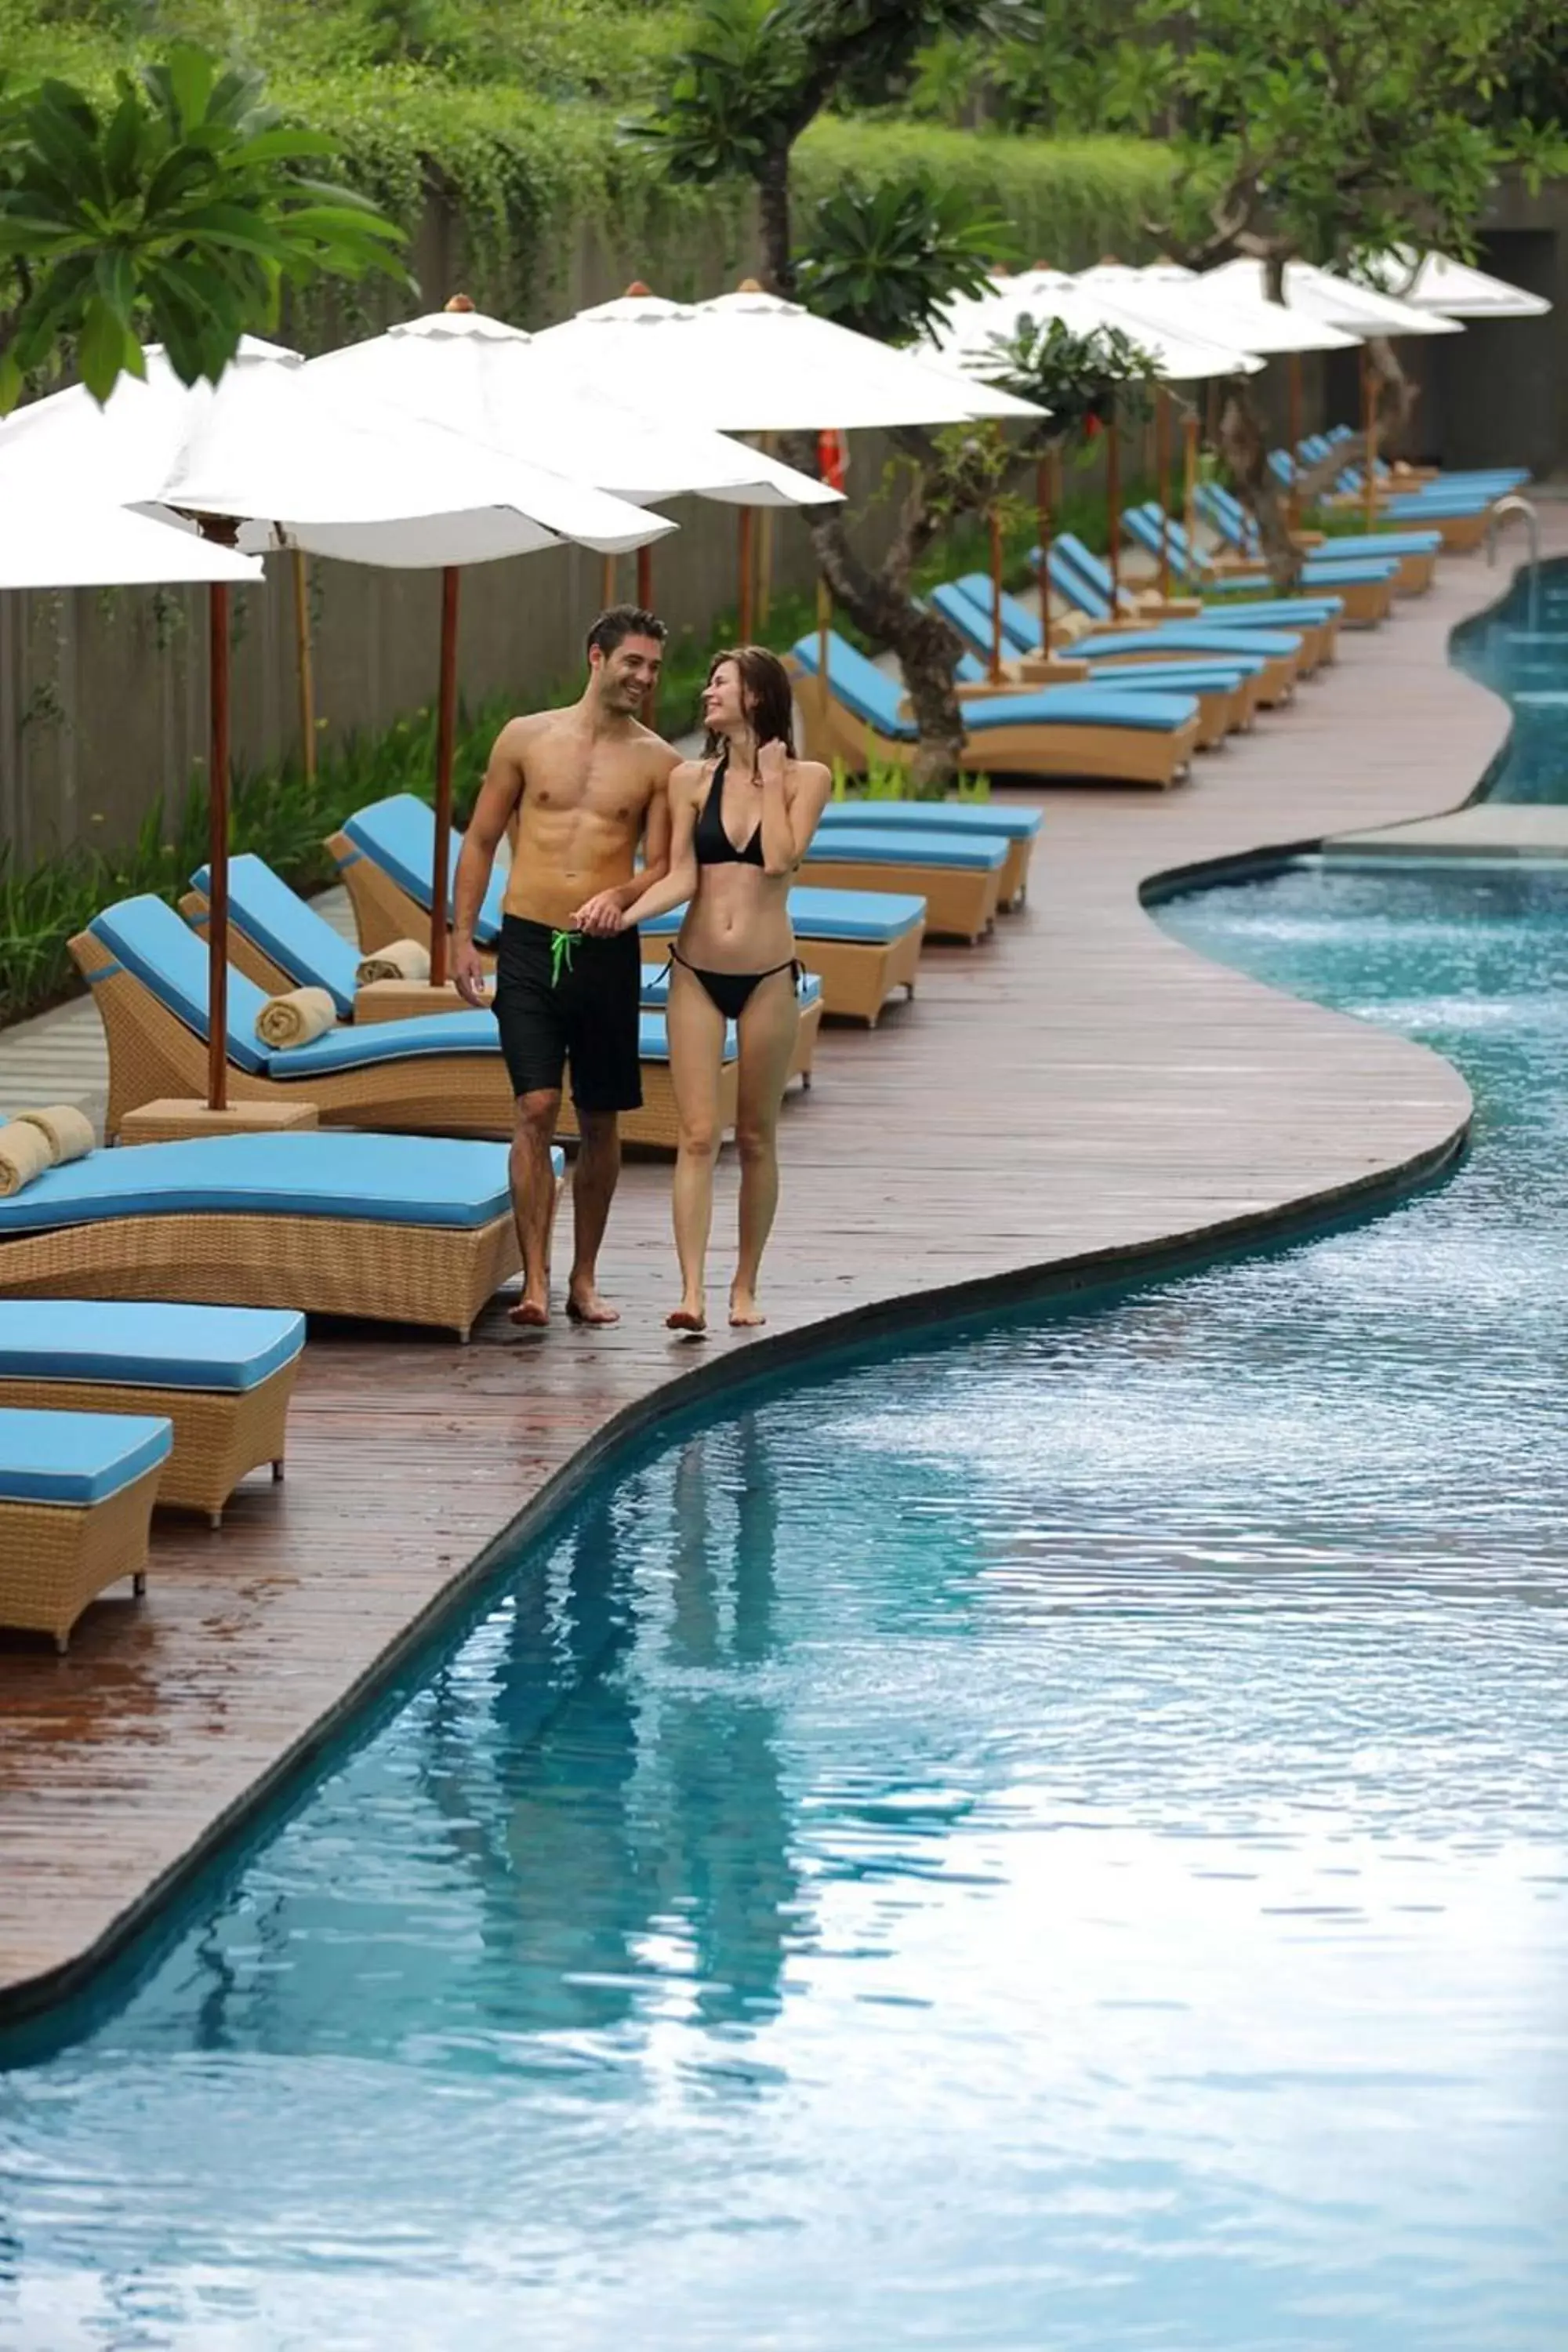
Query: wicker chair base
(434, 1274)
(55, 1559)
(858, 979)
(219, 1433)
(959, 906)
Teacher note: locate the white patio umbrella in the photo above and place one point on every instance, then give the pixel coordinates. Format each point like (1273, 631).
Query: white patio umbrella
(1453, 290)
(502, 385)
(270, 449)
(750, 362)
(1189, 302)
(973, 330)
(61, 539)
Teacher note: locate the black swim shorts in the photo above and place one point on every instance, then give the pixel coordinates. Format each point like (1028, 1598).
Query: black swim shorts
(564, 997)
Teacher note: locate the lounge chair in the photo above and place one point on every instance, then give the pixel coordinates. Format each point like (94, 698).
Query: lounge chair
(1460, 516)
(958, 875)
(386, 1228)
(76, 1500)
(1019, 827)
(1071, 732)
(862, 945)
(441, 1074)
(386, 855)
(222, 1376)
(1439, 481)
(1364, 584)
(1225, 687)
(1272, 658)
(1298, 643)
(1415, 552)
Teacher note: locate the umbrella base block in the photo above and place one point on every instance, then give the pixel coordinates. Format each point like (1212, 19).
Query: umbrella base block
(173, 1119)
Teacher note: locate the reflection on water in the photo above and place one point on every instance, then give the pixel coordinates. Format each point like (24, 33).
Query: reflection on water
(1056, 1840)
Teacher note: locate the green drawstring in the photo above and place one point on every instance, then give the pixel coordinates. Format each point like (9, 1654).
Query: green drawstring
(560, 946)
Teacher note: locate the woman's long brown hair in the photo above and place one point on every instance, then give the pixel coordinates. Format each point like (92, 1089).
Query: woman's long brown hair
(766, 695)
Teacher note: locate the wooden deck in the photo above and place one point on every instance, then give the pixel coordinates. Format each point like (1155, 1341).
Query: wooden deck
(1078, 1085)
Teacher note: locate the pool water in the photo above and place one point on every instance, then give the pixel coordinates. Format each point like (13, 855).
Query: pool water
(1053, 1839)
(1520, 648)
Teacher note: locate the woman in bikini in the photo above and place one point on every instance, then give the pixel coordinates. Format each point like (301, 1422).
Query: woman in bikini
(741, 819)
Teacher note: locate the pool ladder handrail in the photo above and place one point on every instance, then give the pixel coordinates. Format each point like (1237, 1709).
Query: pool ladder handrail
(1504, 511)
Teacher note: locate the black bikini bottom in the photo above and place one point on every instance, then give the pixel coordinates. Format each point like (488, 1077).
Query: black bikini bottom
(730, 992)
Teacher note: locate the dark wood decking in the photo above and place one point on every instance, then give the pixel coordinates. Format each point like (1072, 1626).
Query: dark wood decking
(1078, 1084)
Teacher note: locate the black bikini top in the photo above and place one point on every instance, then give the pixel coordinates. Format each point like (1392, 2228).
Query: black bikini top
(711, 844)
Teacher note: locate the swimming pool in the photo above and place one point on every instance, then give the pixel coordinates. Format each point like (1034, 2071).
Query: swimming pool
(1055, 1839)
(1520, 648)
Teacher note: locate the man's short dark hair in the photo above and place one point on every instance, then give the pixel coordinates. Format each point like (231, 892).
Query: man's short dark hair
(623, 621)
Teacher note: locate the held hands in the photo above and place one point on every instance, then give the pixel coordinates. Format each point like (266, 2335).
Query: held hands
(468, 974)
(601, 917)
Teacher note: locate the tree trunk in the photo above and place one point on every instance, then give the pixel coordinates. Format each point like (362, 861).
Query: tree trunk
(927, 650)
(1244, 447)
(774, 215)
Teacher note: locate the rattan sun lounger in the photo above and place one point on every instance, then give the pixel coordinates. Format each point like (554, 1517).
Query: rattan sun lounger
(386, 855)
(222, 1376)
(1312, 618)
(1415, 552)
(1364, 585)
(1019, 827)
(76, 1499)
(958, 875)
(1068, 732)
(1288, 650)
(439, 1074)
(1226, 689)
(384, 1228)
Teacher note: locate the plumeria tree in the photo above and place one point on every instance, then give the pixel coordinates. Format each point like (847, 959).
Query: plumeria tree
(180, 209)
(881, 260)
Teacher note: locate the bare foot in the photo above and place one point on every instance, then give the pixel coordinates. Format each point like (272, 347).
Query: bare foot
(745, 1315)
(688, 1317)
(533, 1314)
(584, 1304)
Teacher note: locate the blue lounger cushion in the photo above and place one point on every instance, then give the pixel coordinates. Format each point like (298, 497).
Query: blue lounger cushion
(126, 1343)
(869, 844)
(1232, 519)
(286, 929)
(1267, 628)
(872, 696)
(935, 816)
(856, 918)
(387, 1041)
(1199, 636)
(77, 1459)
(1224, 673)
(1078, 563)
(399, 834)
(439, 1180)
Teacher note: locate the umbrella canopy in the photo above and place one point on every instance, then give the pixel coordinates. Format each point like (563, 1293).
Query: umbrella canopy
(749, 362)
(1355, 309)
(1186, 356)
(1453, 290)
(509, 390)
(114, 451)
(1225, 312)
(63, 540)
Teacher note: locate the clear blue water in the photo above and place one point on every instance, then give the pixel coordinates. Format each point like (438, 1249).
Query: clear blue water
(1055, 1840)
(1520, 648)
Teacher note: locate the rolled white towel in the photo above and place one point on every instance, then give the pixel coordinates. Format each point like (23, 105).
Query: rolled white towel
(296, 1018)
(66, 1130)
(403, 959)
(25, 1154)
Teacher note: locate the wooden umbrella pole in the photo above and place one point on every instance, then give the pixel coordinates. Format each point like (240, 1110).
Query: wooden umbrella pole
(748, 569)
(607, 583)
(995, 519)
(1163, 478)
(217, 846)
(305, 664)
(1043, 530)
(1113, 508)
(445, 744)
(1190, 476)
(645, 600)
(824, 628)
(1369, 428)
(765, 552)
(1293, 509)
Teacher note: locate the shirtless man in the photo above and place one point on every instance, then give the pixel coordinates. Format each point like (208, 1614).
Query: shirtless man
(578, 789)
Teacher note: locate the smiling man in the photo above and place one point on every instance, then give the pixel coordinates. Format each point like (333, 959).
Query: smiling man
(579, 789)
